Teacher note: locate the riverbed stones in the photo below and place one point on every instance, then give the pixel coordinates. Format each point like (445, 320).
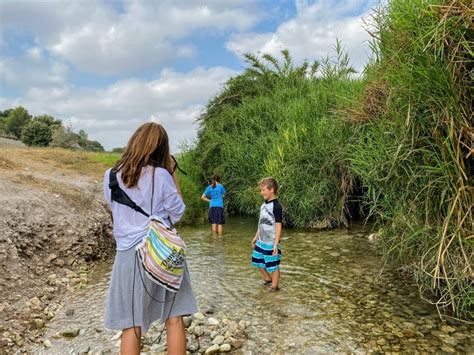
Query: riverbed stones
(47, 344)
(192, 344)
(116, 336)
(70, 332)
(50, 258)
(187, 321)
(213, 349)
(224, 348)
(219, 339)
(199, 316)
(213, 321)
(39, 323)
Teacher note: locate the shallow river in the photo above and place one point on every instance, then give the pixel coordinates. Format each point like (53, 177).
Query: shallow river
(333, 298)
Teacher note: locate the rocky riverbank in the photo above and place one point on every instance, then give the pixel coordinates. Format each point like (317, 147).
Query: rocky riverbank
(205, 333)
(54, 226)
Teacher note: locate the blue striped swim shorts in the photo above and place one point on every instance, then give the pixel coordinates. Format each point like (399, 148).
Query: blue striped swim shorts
(262, 257)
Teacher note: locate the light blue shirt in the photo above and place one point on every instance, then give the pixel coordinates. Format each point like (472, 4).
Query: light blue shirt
(216, 194)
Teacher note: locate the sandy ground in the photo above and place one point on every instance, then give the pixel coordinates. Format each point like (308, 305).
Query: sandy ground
(54, 225)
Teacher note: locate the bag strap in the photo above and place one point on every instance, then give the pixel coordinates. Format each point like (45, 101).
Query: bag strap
(152, 190)
(119, 196)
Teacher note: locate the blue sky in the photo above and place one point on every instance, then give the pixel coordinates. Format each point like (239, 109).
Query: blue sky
(106, 66)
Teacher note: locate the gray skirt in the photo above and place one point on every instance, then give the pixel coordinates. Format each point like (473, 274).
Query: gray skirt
(146, 308)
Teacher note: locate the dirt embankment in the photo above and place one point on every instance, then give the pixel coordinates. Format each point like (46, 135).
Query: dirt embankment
(54, 224)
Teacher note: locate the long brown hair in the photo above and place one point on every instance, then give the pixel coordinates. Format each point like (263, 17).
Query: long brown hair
(148, 146)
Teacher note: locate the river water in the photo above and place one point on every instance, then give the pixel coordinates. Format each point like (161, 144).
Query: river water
(336, 296)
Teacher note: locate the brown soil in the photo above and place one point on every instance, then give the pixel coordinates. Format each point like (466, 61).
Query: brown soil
(54, 226)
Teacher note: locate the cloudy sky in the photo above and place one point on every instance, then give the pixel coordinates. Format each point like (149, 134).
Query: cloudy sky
(106, 66)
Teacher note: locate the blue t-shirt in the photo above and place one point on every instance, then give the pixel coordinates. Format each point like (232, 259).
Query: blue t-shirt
(216, 194)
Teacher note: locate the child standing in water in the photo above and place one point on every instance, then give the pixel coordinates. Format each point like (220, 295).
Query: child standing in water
(216, 204)
(266, 243)
(146, 169)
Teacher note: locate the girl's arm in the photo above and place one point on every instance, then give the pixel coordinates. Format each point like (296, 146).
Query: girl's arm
(204, 198)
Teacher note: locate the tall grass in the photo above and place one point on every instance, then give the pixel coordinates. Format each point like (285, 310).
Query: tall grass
(414, 142)
(403, 131)
(284, 121)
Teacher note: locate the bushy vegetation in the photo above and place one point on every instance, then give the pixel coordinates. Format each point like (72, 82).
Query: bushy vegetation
(196, 210)
(397, 139)
(281, 120)
(414, 140)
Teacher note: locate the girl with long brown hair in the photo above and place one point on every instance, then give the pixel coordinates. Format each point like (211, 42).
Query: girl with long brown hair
(133, 301)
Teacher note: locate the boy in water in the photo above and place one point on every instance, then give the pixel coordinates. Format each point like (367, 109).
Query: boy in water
(266, 243)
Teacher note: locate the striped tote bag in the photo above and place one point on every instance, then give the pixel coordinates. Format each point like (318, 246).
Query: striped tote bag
(162, 254)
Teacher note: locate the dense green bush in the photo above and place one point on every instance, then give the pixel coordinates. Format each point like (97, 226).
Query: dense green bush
(413, 143)
(284, 121)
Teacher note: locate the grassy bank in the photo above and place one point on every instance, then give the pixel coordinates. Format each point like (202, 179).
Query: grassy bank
(397, 141)
(413, 141)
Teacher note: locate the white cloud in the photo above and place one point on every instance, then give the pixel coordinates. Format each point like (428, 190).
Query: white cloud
(32, 69)
(97, 38)
(110, 115)
(312, 32)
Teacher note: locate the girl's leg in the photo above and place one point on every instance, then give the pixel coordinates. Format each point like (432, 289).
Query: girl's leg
(266, 276)
(219, 229)
(175, 336)
(130, 344)
(214, 228)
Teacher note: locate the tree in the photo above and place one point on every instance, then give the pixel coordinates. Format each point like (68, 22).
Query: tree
(39, 132)
(64, 138)
(94, 146)
(48, 120)
(16, 120)
(82, 138)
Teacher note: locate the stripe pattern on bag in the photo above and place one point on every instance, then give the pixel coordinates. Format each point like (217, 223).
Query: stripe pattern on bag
(162, 253)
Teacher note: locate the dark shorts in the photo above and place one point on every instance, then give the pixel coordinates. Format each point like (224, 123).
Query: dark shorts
(216, 215)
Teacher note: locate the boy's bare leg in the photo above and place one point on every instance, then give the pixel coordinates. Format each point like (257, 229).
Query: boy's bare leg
(130, 344)
(266, 276)
(175, 336)
(214, 229)
(275, 279)
(219, 229)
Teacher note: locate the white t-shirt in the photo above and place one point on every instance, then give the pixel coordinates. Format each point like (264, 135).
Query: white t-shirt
(130, 226)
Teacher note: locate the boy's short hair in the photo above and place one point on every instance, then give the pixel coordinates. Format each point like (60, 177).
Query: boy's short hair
(269, 183)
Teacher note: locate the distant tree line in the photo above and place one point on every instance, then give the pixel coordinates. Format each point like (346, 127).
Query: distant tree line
(43, 131)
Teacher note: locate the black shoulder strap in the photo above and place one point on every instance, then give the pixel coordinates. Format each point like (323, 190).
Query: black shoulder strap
(119, 196)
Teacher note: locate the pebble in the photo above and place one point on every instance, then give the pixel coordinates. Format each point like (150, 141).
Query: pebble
(224, 348)
(70, 333)
(213, 321)
(117, 336)
(218, 340)
(47, 344)
(213, 349)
